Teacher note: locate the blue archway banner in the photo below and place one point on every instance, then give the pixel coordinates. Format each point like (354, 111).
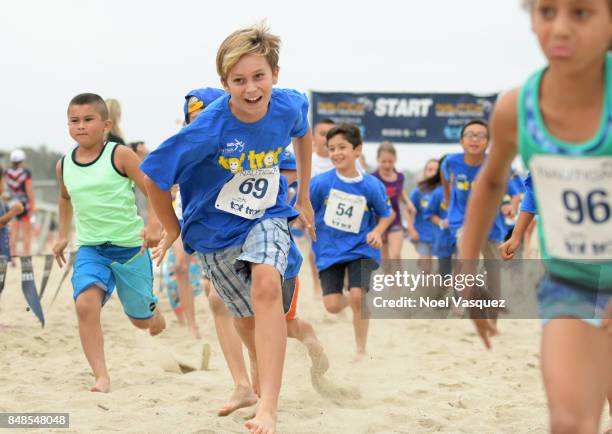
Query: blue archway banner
(403, 117)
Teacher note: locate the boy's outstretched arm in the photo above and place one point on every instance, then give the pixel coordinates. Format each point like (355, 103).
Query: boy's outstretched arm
(488, 192)
(15, 209)
(303, 158)
(508, 248)
(374, 238)
(65, 217)
(161, 202)
(127, 162)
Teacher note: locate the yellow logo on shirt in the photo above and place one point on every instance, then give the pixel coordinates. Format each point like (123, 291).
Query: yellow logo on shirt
(258, 160)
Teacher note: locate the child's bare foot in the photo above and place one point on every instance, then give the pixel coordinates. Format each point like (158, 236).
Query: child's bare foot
(158, 323)
(255, 377)
(242, 396)
(194, 332)
(320, 362)
(263, 423)
(102, 385)
(361, 355)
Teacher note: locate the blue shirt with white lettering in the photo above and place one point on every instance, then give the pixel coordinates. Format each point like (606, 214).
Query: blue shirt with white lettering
(334, 246)
(205, 155)
(425, 228)
(462, 176)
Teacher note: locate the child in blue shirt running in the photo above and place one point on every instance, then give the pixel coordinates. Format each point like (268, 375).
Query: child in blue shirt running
(234, 199)
(352, 211)
(420, 230)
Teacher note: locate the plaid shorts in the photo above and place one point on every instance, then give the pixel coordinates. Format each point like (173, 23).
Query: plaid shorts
(267, 243)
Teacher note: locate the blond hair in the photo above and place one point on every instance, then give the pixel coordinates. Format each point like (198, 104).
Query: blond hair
(386, 147)
(114, 114)
(252, 40)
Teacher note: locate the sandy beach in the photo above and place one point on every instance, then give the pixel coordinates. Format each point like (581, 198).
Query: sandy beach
(421, 375)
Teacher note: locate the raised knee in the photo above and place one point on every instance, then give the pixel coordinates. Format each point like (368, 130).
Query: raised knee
(265, 289)
(87, 309)
(332, 307)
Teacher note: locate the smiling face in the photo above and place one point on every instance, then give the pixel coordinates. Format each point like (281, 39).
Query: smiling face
(475, 139)
(573, 33)
(250, 83)
(86, 126)
(342, 153)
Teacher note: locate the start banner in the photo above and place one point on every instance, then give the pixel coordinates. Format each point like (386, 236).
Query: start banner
(403, 117)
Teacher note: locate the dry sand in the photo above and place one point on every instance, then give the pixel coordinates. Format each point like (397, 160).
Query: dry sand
(420, 376)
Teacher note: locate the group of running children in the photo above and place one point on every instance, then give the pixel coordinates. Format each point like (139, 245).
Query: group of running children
(239, 188)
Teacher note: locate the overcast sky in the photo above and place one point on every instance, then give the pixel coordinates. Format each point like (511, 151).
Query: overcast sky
(148, 54)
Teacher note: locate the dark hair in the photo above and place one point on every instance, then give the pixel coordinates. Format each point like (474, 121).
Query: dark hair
(134, 145)
(349, 132)
(435, 180)
(91, 99)
(327, 121)
(475, 122)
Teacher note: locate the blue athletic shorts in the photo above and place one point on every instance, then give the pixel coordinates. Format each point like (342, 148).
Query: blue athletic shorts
(107, 266)
(560, 299)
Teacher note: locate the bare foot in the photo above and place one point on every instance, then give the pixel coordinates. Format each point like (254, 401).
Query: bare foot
(320, 362)
(255, 377)
(262, 424)
(242, 396)
(102, 385)
(194, 332)
(361, 355)
(158, 323)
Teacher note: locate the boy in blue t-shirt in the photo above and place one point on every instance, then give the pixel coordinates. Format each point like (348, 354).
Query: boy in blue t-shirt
(234, 208)
(458, 176)
(352, 211)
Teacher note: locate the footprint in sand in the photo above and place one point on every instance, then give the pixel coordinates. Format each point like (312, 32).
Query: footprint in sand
(328, 389)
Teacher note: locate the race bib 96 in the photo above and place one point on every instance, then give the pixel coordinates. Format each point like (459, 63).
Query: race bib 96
(575, 203)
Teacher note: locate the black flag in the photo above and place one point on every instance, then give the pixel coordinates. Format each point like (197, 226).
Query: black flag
(28, 286)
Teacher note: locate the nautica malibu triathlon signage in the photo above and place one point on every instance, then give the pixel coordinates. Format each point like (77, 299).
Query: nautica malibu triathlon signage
(403, 117)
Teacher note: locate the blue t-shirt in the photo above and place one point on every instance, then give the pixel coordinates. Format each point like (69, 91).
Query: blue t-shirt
(528, 204)
(463, 176)
(335, 246)
(422, 225)
(204, 156)
(444, 241)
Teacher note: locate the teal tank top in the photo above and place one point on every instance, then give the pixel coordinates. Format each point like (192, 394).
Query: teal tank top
(575, 201)
(103, 201)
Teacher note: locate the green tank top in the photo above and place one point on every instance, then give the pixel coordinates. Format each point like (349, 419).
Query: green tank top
(103, 201)
(575, 227)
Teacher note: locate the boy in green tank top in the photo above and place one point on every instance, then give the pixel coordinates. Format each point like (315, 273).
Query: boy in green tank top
(560, 122)
(96, 184)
